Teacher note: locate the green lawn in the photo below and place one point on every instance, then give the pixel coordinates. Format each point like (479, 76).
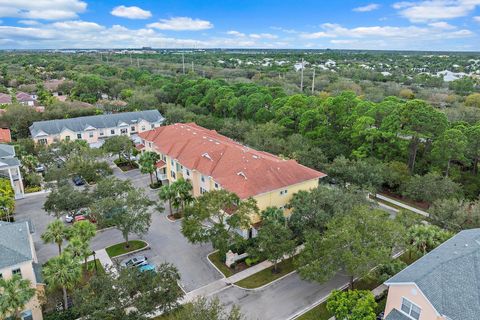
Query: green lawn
(320, 312)
(266, 276)
(119, 248)
(215, 259)
(91, 266)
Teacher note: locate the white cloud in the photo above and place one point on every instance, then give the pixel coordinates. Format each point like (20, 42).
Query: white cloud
(131, 12)
(428, 10)
(442, 25)
(42, 9)
(29, 22)
(331, 30)
(477, 18)
(367, 8)
(235, 33)
(181, 24)
(262, 36)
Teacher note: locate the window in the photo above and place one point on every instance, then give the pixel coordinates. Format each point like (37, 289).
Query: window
(101, 133)
(112, 131)
(123, 131)
(42, 141)
(132, 128)
(172, 173)
(143, 128)
(90, 134)
(411, 309)
(1, 276)
(216, 185)
(283, 192)
(172, 163)
(153, 126)
(203, 179)
(202, 190)
(79, 136)
(188, 172)
(67, 138)
(17, 271)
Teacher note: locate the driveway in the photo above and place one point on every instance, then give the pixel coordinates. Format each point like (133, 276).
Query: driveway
(280, 300)
(165, 238)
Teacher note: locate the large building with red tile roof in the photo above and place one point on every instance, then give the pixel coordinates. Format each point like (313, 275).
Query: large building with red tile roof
(212, 161)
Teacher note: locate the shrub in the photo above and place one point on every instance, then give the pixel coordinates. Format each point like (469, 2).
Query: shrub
(251, 261)
(33, 189)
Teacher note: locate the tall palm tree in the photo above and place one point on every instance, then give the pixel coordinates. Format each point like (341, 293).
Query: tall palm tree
(63, 272)
(79, 249)
(167, 193)
(183, 193)
(56, 232)
(15, 294)
(147, 163)
(84, 230)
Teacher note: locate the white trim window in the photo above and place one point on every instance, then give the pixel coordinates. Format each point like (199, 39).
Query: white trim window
(411, 309)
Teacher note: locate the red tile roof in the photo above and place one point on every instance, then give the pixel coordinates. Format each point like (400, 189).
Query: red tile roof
(160, 164)
(139, 146)
(5, 98)
(5, 136)
(237, 168)
(24, 97)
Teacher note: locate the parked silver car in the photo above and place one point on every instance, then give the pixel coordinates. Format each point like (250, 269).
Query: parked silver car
(134, 261)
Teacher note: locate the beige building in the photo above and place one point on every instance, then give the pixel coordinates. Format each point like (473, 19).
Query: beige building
(211, 161)
(95, 129)
(442, 285)
(18, 257)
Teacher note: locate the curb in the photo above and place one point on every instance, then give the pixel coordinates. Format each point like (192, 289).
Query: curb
(266, 284)
(223, 276)
(147, 247)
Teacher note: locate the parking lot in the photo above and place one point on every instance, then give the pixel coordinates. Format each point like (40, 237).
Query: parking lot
(165, 238)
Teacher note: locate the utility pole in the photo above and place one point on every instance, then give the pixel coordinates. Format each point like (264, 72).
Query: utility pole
(301, 76)
(313, 82)
(183, 62)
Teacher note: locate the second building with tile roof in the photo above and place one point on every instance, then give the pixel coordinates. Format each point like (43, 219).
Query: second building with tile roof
(212, 161)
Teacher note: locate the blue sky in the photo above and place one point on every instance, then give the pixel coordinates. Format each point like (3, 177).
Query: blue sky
(409, 25)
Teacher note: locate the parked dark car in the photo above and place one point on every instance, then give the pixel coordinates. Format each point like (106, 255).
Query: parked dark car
(78, 181)
(134, 261)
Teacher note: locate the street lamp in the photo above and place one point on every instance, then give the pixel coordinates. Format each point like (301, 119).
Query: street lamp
(95, 261)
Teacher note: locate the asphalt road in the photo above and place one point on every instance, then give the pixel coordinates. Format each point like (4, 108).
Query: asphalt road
(280, 300)
(165, 239)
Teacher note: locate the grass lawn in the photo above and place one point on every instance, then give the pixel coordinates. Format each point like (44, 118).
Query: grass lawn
(215, 259)
(119, 248)
(266, 276)
(91, 266)
(320, 312)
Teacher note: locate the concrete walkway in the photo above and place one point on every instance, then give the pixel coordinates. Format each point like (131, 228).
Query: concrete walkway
(104, 259)
(402, 205)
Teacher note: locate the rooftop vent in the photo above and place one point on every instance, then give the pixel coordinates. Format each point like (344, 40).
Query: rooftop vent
(242, 175)
(206, 155)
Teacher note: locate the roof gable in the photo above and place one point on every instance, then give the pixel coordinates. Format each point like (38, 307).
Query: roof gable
(15, 245)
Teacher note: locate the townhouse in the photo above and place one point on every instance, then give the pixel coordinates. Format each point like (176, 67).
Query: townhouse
(442, 285)
(94, 129)
(212, 161)
(18, 257)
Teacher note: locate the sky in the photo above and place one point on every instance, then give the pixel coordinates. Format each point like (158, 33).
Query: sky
(450, 25)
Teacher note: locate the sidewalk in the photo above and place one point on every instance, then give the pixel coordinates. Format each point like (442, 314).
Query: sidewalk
(402, 205)
(102, 256)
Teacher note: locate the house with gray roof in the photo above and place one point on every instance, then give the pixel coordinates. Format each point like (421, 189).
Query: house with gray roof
(444, 284)
(10, 169)
(95, 129)
(18, 258)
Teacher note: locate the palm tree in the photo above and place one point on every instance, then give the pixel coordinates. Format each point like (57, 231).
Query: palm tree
(147, 163)
(79, 249)
(56, 232)
(183, 193)
(167, 193)
(423, 238)
(15, 294)
(63, 272)
(84, 230)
